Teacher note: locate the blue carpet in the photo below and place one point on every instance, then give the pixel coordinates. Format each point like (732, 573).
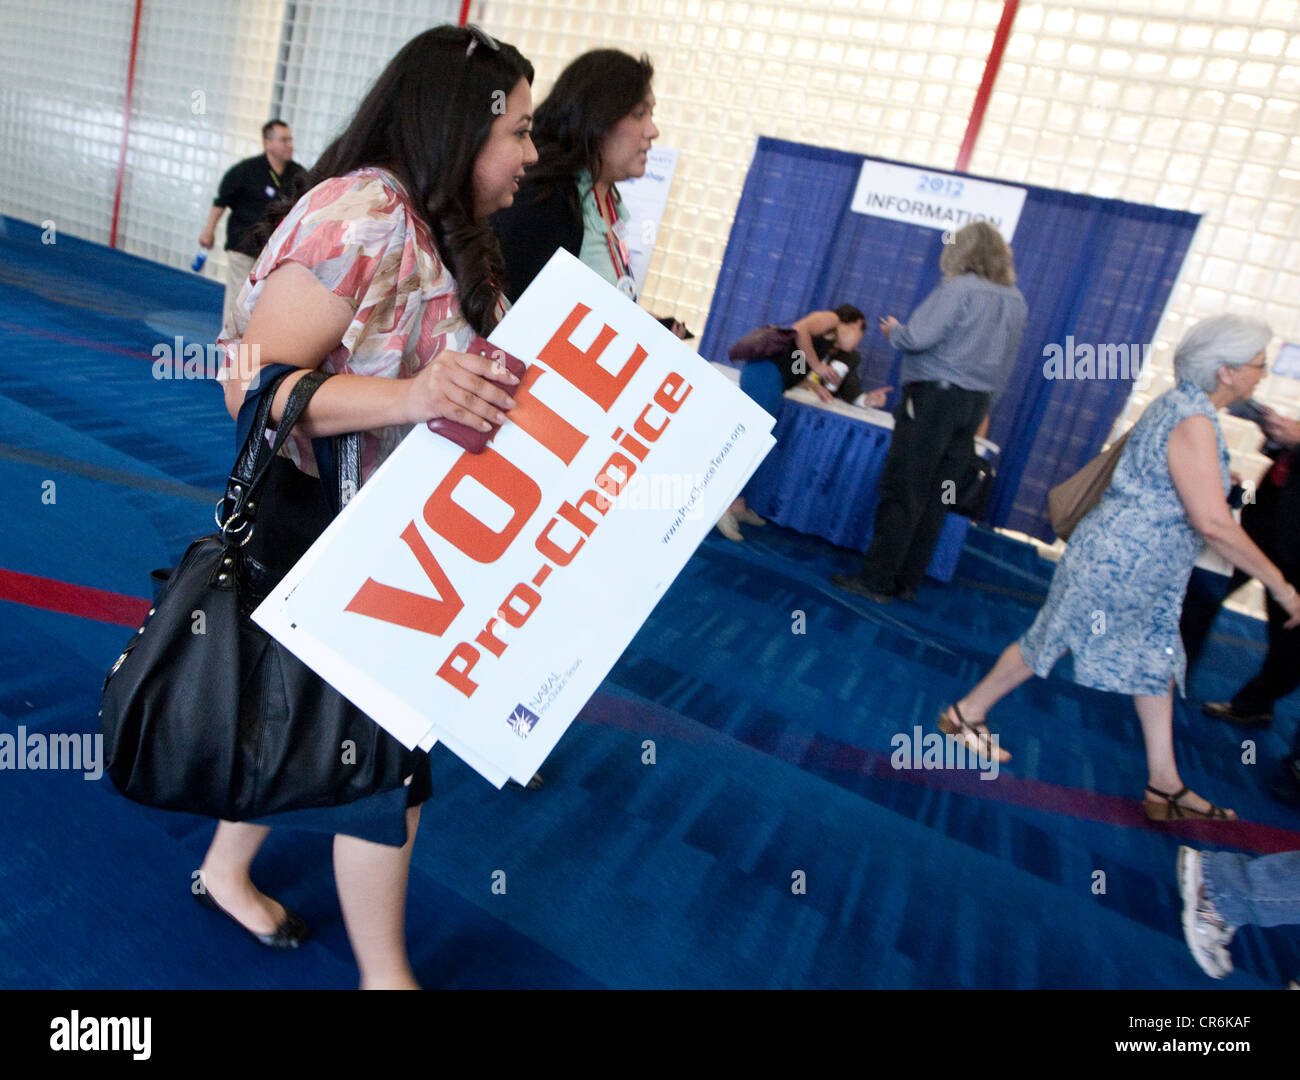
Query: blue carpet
(770, 844)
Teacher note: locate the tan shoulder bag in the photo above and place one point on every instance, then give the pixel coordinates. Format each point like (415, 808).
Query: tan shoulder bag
(1071, 499)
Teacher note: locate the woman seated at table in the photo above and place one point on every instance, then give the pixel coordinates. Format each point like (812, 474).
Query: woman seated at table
(820, 337)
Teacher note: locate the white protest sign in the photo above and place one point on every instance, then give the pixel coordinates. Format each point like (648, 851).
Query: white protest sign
(937, 200)
(646, 199)
(480, 599)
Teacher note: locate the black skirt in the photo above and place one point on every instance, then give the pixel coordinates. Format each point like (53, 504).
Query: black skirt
(380, 818)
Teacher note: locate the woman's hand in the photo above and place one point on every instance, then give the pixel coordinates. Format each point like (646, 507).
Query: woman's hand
(829, 376)
(1193, 459)
(1280, 429)
(1289, 601)
(817, 388)
(455, 385)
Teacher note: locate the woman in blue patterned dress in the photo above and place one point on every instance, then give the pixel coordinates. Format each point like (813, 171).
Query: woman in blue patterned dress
(1117, 593)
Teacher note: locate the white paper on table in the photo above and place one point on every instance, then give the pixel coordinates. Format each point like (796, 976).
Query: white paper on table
(587, 610)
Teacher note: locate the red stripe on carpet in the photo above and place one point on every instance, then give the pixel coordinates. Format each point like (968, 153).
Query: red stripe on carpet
(73, 339)
(69, 599)
(819, 754)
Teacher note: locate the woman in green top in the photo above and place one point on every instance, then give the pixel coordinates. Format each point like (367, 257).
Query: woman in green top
(594, 129)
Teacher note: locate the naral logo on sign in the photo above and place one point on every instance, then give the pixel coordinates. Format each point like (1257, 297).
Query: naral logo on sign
(521, 721)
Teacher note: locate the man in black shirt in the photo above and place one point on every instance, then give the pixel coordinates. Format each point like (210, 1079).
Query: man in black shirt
(246, 190)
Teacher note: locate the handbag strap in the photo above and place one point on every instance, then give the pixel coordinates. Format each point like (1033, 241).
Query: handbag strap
(236, 512)
(338, 457)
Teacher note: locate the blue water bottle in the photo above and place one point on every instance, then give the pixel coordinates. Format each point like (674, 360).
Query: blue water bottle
(199, 260)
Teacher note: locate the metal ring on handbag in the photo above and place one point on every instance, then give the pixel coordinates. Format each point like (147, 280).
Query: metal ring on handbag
(226, 532)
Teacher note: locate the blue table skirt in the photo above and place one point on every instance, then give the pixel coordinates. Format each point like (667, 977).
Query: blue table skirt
(821, 479)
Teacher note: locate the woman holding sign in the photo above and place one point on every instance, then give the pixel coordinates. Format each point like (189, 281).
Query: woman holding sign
(382, 274)
(594, 129)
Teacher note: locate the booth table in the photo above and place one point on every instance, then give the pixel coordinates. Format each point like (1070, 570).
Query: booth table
(821, 477)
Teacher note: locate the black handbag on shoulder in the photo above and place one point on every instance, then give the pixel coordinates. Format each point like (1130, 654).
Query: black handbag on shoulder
(205, 712)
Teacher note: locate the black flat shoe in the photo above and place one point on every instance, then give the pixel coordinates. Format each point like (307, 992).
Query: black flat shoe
(288, 935)
(1224, 710)
(855, 585)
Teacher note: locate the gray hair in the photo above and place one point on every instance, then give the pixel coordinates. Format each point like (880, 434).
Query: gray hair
(1219, 341)
(978, 248)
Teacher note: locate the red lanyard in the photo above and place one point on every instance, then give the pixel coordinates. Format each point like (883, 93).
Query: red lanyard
(1281, 469)
(617, 252)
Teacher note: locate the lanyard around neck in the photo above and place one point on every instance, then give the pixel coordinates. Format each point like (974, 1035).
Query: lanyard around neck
(618, 253)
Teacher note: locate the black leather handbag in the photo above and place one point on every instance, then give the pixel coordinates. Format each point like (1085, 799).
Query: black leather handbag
(204, 712)
(975, 486)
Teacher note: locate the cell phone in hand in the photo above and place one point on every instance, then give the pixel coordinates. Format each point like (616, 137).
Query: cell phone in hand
(469, 438)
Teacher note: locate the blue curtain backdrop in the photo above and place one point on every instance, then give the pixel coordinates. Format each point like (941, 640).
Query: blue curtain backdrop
(1098, 269)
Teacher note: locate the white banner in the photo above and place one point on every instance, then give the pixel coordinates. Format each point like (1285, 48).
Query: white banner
(646, 198)
(480, 599)
(1287, 361)
(937, 200)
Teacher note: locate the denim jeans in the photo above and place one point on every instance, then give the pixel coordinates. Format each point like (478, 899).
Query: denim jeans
(1264, 890)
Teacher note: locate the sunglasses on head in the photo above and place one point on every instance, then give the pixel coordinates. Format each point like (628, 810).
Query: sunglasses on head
(478, 36)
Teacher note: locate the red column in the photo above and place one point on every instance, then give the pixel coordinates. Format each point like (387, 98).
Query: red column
(986, 84)
(126, 126)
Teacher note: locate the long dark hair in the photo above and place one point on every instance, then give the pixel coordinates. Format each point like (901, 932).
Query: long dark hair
(591, 95)
(425, 120)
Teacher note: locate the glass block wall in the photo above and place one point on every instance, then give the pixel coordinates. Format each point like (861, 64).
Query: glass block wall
(333, 49)
(201, 94)
(894, 78)
(62, 88)
(1185, 103)
(198, 105)
(1193, 104)
(207, 77)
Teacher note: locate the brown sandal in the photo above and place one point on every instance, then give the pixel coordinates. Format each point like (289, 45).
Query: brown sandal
(975, 736)
(1173, 810)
